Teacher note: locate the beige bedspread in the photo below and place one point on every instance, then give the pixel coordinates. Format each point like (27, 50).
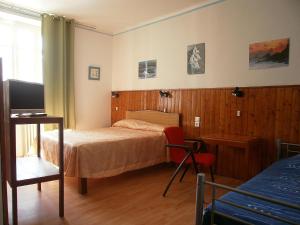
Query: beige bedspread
(107, 151)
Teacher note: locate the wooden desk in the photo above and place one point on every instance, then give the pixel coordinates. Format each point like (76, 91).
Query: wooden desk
(251, 145)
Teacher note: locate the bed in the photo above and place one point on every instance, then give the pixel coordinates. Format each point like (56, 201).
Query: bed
(133, 143)
(271, 197)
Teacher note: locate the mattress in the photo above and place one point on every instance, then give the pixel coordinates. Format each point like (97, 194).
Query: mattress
(280, 181)
(128, 145)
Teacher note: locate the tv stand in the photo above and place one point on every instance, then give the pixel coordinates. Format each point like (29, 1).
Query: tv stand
(38, 114)
(33, 170)
(30, 115)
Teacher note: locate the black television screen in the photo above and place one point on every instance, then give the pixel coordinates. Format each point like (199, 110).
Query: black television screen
(25, 97)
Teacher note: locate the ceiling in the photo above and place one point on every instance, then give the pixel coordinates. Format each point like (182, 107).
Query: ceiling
(110, 16)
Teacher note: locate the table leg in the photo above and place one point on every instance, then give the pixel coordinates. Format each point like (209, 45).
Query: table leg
(39, 186)
(246, 174)
(38, 131)
(217, 158)
(14, 192)
(61, 197)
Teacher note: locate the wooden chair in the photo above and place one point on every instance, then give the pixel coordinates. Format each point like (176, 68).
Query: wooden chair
(186, 152)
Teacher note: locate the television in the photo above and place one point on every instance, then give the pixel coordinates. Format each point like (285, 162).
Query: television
(24, 97)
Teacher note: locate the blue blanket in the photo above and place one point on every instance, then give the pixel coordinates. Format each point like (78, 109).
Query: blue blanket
(279, 181)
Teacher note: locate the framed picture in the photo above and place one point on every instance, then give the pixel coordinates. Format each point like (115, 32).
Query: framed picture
(196, 59)
(268, 54)
(94, 73)
(147, 69)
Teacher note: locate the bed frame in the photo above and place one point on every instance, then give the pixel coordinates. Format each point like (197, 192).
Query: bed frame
(166, 119)
(283, 150)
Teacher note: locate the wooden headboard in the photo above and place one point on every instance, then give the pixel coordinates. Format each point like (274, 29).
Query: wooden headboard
(168, 119)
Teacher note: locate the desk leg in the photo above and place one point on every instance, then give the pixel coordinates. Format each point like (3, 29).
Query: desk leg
(217, 158)
(14, 205)
(82, 185)
(246, 173)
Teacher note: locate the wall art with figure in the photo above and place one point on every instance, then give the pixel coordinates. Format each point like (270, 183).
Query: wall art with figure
(196, 59)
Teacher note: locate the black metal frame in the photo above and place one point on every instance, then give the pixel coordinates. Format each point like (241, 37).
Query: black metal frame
(190, 150)
(200, 195)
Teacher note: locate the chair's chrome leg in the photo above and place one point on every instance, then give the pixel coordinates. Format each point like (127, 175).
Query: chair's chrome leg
(176, 172)
(194, 164)
(184, 172)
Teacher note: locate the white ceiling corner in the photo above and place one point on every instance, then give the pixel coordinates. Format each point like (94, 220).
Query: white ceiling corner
(114, 16)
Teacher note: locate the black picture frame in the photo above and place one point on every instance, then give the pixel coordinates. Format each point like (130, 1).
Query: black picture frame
(94, 73)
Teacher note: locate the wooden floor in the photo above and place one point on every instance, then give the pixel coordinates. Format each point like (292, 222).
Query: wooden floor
(134, 198)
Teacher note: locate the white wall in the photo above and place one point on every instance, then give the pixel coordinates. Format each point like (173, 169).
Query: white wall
(92, 97)
(226, 28)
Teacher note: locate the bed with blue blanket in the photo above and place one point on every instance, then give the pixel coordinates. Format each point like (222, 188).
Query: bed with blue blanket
(280, 181)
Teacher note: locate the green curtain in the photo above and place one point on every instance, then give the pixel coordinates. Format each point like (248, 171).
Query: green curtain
(58, 67)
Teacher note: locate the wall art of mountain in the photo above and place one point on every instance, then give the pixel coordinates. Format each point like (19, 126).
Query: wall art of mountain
(269, 54)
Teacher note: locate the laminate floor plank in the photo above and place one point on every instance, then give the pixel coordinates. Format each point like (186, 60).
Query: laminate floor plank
(133, 198)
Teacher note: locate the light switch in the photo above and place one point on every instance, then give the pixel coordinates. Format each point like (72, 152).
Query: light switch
(117, 108)
(238, 113)
(197, 121)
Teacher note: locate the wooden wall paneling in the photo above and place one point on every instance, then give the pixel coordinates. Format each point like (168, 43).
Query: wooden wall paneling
(279, 121)
(268, 100)
(295, 134)
(251, 112)
(161, 105)
(222, 117)
(244, 108)
(234, 120)
(216, 111)
(207, 111)
(196, 111)
(285, 113)
(228, 110)
(185, 105)
(202, 111)
(152, 98)
(266, 112)
(172, 99)
(213, 106)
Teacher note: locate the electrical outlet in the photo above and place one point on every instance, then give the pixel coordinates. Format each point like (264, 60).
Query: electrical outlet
(197, 121)
(238, 113)
(117, 108)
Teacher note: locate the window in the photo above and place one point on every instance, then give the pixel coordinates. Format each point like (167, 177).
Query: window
(21, 53)
(21, 48)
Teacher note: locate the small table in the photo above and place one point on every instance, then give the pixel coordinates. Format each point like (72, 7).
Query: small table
(33, 170)
(250, 145)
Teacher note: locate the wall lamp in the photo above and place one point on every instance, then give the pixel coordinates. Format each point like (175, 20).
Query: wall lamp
(237, 92)
(115, 94)
(164, 93)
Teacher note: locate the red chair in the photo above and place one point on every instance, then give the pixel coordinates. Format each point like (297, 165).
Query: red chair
(186, 152)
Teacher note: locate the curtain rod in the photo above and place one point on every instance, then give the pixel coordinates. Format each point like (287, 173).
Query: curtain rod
(34, 14)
